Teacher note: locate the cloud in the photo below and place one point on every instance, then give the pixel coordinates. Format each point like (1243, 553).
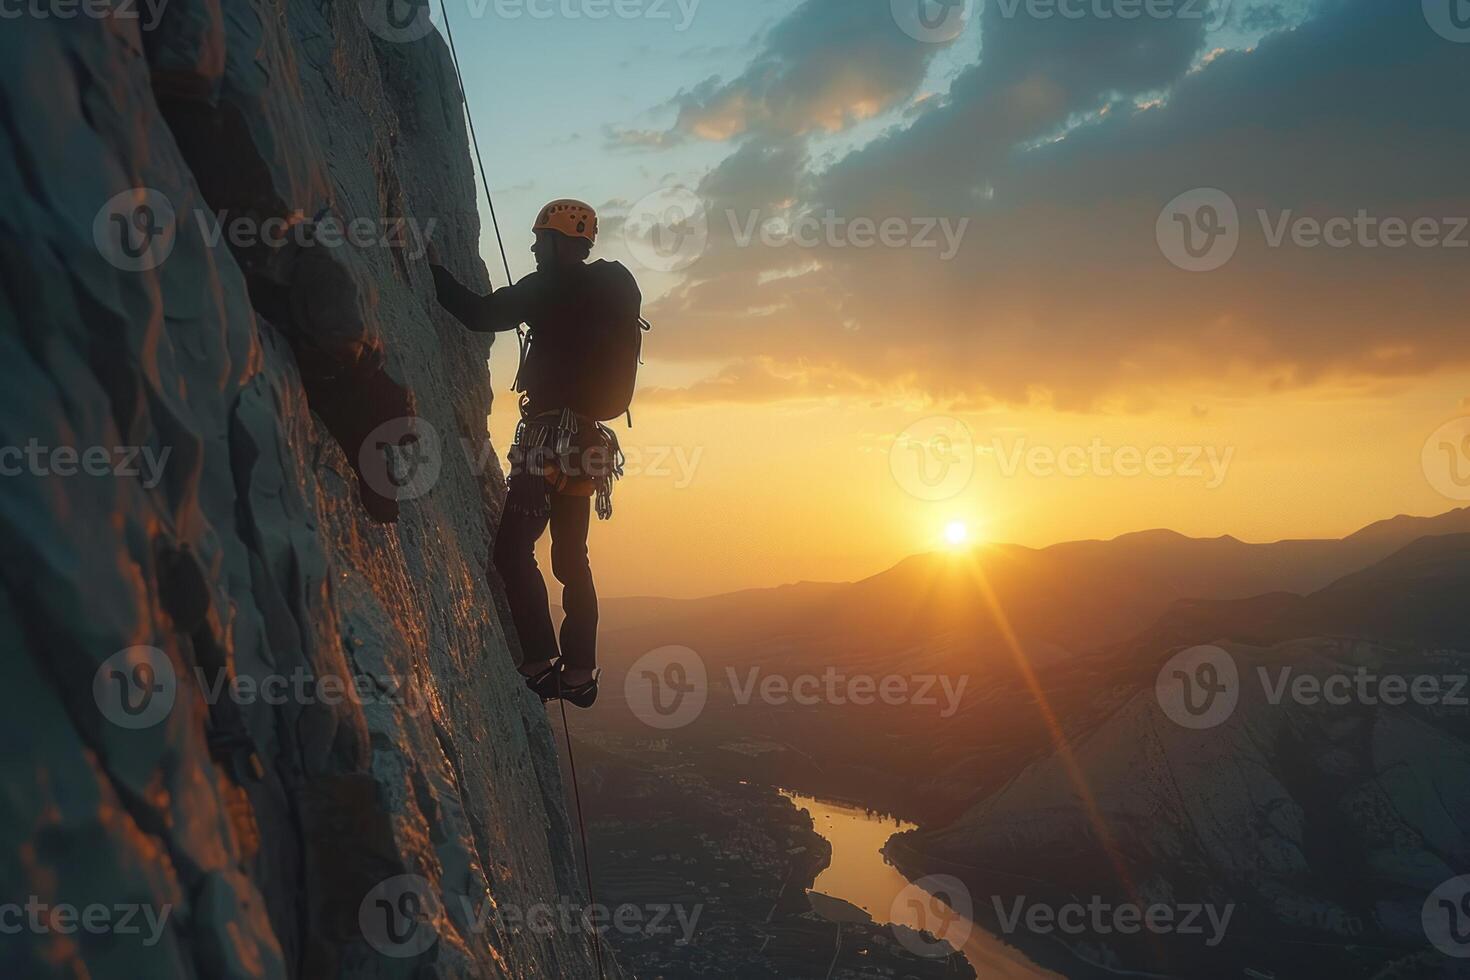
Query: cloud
(641, 139)
(1061, 145)
(826, 66)
(759, 380)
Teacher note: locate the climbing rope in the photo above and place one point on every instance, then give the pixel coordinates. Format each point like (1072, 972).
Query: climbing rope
(521, 339)
(474, 140)
(581, 825)
(505, 263)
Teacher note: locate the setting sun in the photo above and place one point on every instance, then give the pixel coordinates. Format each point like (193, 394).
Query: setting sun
(956, 533)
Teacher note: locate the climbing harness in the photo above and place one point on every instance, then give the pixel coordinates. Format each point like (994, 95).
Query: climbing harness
(521, 337)
(562, 452)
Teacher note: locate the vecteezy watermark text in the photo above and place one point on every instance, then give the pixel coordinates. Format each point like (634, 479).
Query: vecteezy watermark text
(137, 688)
(836, 687)
(147, 13)
(403, 21)
(829, 229)
(566, 916)
(668, 688)
(1201, 686)
(1097, 458)
(1201, 230)
(400, 916)
(121, 461)
(136, 230)
(63, 918)
(942, 21)
(245, 231)
(1100, 917)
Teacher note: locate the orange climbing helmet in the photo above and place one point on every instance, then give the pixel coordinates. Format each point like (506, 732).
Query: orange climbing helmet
(572, 218)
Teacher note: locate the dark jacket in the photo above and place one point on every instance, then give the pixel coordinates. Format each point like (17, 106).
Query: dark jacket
(560, 306)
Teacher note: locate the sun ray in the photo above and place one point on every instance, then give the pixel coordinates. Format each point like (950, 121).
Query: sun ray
(1054, 728)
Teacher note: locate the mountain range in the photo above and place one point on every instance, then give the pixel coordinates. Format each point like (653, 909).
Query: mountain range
(1057, 772)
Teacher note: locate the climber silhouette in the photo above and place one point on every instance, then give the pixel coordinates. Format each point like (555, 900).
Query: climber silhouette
(578, 368)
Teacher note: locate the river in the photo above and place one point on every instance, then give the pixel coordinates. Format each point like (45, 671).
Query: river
(861, 876)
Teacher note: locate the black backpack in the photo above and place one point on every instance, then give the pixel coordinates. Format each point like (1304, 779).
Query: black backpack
(611, 371)
(604, 369)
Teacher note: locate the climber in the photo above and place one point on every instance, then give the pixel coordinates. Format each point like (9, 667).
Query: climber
(578, 367)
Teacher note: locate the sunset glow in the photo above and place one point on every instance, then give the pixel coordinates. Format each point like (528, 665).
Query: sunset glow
(956, 533)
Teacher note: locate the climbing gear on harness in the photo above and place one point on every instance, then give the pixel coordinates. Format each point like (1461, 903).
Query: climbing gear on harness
(572, 218)
(562, 452)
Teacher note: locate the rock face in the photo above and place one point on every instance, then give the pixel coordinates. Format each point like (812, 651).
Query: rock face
(288, 735)
(1297, 831)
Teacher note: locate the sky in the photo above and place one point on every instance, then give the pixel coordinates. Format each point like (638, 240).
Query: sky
(1040, 269)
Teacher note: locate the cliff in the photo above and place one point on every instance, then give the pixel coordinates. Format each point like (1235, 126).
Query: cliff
(240, 706)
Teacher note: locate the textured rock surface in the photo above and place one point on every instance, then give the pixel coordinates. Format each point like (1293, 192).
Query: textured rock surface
(1324, 826)
(252, 554)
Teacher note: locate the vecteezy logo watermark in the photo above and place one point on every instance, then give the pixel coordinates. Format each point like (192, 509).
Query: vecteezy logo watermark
(63, 918)
(1099, 917)
(939, 906)
(1207, 463)
(668, 230)
(941, 21)
(1198, 688)
(135, 688)
(91, 9)
(1446, 917)
(398, 916)
(304, 687)
(570, 918)
(136, 229)
(399, 21)
(405, 233)
(832, 230)
(1213, 12)
(1449, 18)
(401, 459)
(932, 21)
(667, 688)
(934, 458)
(1199, 230)
(834, 687)
(648, 10)
(118, 461)
(1446, 459)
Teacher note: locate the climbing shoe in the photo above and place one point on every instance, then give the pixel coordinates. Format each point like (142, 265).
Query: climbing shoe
(582, 695)
(543, 683)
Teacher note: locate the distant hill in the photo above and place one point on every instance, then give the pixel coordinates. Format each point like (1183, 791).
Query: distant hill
(1419, 594)
(1063, 645)
(1058, 600)
(1323, 826)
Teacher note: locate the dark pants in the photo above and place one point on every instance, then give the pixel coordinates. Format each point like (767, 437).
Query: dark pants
(515, 560)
